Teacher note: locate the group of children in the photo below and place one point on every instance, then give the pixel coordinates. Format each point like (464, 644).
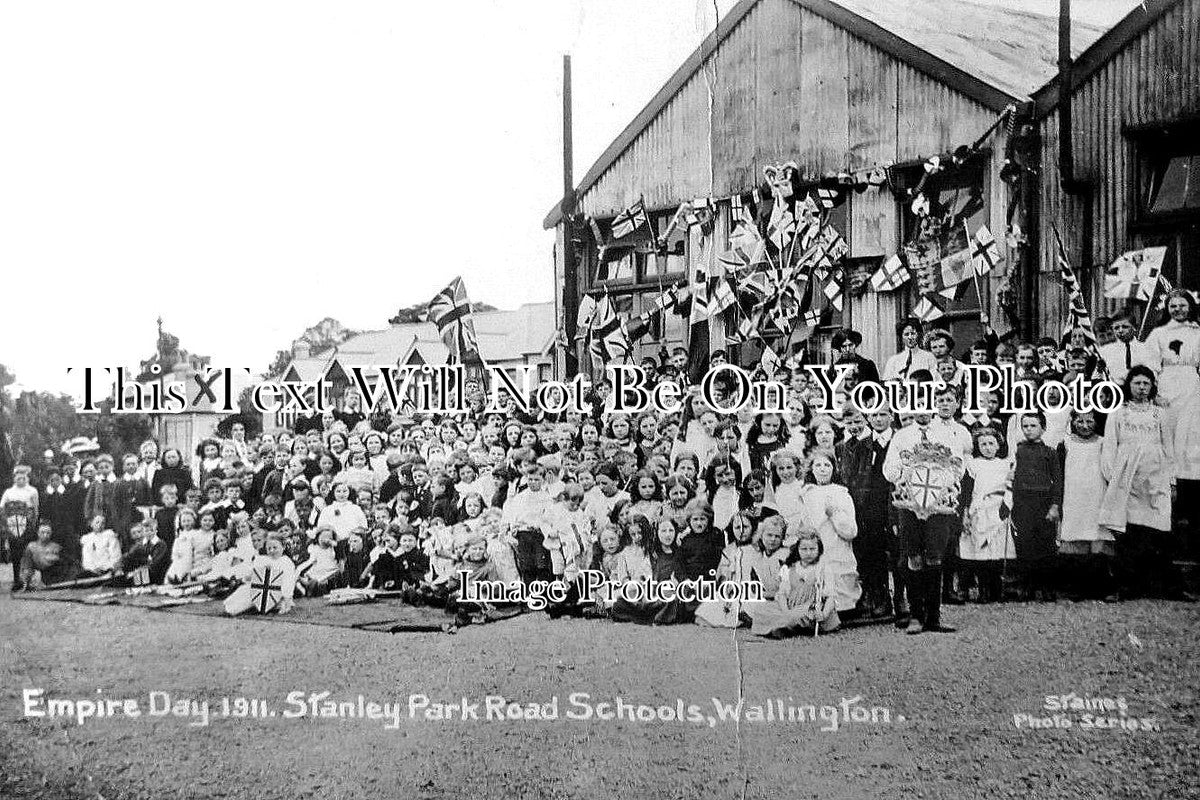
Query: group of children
(800, 503)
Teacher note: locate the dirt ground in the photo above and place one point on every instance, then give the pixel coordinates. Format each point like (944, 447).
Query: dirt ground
(948, 730)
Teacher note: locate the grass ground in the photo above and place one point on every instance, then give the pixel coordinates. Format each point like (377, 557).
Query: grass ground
(951, 700)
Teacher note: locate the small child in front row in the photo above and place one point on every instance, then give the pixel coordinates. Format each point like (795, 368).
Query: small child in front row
(1037, 490)
(101, 552)
(1082, 539)
(986, 543)
(274, 564)
(805, 602)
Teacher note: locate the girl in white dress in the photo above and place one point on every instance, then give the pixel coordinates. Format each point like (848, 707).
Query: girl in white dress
(785, 480)
(826, 508)
(1081, 536)
(986, 540)
(1137, 461)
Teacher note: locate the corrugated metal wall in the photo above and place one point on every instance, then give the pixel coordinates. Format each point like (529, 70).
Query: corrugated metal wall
(789, 85)
(1155, 78)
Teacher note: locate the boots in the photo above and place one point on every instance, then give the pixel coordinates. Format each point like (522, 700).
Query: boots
(899, 599)
(933, 602)
(951, 595)
(916, 581)
(881, 599)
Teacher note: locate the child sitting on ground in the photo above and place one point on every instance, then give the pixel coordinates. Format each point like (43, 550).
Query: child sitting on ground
(806, 601)
(100, 549)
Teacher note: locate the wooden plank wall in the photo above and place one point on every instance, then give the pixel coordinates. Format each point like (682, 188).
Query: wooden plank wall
(1155, 78)
(789, 85)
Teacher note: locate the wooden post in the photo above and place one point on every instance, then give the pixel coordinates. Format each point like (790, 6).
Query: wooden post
(570, 288)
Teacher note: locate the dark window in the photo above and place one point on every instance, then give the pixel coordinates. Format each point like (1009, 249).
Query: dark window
(1167, 211)
(1175, 186)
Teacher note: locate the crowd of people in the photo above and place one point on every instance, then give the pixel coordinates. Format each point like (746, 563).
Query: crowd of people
(802, 503)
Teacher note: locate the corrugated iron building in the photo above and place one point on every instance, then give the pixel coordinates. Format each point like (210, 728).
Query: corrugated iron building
(833, 87)
(1135, 107)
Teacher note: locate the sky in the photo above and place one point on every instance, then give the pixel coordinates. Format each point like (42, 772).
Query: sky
(246, 169)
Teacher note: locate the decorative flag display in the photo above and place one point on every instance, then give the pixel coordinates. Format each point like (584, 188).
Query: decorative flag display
(1134, 275)
(891, 276)
(450, 311)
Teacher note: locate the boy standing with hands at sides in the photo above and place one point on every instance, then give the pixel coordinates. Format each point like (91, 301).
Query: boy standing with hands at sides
(526, 514)
(862, 458)
(1037, 489)
(925, 540)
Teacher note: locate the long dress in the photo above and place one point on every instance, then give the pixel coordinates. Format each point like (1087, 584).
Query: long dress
(1173, 352)
(985, 536)
(1136, 460)
(829, 511)
(805, 603)
(1081, 532)
(737, 563)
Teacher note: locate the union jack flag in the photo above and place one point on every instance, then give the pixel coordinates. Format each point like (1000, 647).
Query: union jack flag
(268, 589)
(608, 340)
(450, 311)
(1078, 315)
(630, 220)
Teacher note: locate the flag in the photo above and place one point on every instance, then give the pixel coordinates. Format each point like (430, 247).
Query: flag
(955, 266)
(747, 247)
(699, 298)
(769, 362)
(608, 342)
(1134, 275)
(699, 211)
(891, 275)
(637, 327)
(924, 262)
(677, 223)
(759, 285)
(985, 252)
(927, 310)
(629, 220)
(781, 227)
(450, 311)
(747, 328)
(808, 221)
(1158, 296)
(721, 296)
(587, 308)
(833, 289)
(827, 198)
(665, 300)
(1078, 315)
(829, 248)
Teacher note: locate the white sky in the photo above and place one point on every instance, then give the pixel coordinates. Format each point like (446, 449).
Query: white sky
(246, 169)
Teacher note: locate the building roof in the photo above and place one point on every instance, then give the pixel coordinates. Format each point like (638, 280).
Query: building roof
(952, 41)
(1102, 50)
(504, 336)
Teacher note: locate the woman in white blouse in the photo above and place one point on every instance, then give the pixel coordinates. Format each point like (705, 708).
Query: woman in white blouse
(1173, 352)
(912, 357)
